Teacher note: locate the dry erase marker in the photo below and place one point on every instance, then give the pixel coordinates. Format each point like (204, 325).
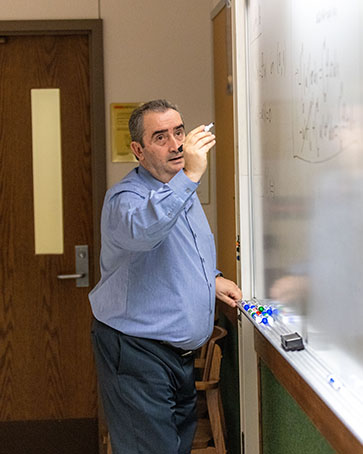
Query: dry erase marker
(209, 127)
(206, 129)
(334, 383)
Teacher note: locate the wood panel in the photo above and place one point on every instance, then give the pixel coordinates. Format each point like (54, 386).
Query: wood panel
(226, 221)
(323, 418)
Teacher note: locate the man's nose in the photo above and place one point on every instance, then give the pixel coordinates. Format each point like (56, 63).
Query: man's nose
(173, 143)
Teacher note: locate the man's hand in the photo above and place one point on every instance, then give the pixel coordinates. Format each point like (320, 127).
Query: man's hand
(195, 151)
(227, 291)
(290, 289)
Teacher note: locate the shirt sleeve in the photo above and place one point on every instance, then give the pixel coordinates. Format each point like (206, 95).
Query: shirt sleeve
(140, 220)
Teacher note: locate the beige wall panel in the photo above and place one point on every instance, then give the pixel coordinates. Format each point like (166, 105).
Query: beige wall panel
(159, 49)
(45, 9)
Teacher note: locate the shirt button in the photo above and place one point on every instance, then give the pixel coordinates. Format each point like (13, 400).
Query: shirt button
(187, 190)
(170, 214)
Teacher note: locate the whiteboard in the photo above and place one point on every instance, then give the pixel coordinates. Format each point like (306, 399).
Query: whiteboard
(305, 83)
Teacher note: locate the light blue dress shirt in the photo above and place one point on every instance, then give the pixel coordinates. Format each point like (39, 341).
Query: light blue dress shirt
(158, 261)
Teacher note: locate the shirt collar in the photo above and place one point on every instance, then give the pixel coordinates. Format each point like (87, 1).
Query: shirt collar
(146, 176)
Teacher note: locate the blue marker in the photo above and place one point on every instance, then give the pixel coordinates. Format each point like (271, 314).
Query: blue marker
(334, 383)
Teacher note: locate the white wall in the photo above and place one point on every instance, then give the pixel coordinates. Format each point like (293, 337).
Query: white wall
(152, 49)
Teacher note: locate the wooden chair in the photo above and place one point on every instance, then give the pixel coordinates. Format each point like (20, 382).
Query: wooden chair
(108, 442)
(210, 437)
(203, 361)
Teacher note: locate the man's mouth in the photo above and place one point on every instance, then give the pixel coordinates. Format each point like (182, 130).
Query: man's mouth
(177, 158)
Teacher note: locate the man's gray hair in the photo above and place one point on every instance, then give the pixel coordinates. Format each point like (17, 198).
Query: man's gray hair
(136, 121)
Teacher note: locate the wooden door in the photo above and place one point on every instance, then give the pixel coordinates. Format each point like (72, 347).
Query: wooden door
(48, 401)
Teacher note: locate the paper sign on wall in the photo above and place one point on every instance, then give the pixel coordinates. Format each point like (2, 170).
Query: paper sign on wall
(120, 136)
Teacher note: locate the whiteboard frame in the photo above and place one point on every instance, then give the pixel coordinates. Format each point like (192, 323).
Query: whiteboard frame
(248, 367)
(248, 359)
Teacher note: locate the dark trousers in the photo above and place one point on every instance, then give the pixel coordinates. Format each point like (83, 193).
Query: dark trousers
(148, 393)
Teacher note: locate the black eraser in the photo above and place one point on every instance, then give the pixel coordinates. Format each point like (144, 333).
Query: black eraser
(291, 342)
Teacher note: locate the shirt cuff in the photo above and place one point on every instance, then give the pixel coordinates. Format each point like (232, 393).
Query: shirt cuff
(182, 185)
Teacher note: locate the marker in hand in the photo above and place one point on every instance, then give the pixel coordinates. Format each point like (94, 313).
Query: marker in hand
(209, 127)
(206, 129)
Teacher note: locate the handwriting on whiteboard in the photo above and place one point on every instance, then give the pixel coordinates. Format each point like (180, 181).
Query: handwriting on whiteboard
(321, 117)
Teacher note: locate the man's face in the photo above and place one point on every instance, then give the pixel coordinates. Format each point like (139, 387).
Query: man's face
(163, 135)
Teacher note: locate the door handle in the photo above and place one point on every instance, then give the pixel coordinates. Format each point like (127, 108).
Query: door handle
(82, 268)
(70, 276)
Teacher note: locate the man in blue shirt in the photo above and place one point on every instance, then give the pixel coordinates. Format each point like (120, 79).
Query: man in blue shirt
(154, 304)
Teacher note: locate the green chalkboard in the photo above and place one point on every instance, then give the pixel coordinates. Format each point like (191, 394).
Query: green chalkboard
(285, 427)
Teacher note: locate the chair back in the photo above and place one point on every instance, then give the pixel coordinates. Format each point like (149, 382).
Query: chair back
(218, 334)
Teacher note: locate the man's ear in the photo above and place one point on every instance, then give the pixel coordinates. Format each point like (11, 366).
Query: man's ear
(137, 150)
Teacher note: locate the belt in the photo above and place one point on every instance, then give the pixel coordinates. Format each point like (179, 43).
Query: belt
(179, 351)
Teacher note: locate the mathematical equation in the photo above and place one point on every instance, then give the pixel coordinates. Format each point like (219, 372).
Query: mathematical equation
(322, 117)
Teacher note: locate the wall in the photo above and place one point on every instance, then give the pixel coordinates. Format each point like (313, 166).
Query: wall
(151, 49)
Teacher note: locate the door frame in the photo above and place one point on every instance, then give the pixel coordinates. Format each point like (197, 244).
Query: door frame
(93, 28)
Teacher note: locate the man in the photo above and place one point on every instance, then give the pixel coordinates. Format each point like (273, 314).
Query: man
(154, 304)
